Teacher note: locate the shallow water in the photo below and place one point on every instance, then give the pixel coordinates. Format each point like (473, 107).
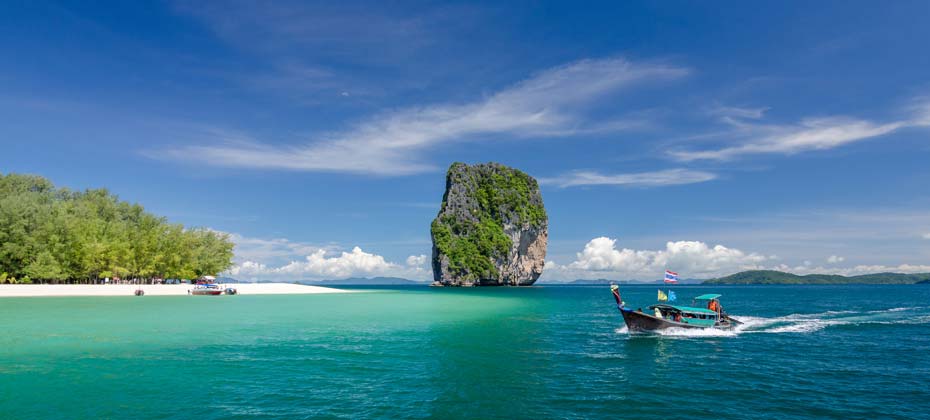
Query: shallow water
(542, 352)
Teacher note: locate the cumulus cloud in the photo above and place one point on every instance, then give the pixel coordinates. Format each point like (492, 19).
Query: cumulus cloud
(601, 258)
(247, 268)
(317, 264)
(326, 265)
(926, 235)
(547, 104)
(345, 265)
(641, 179)
(271, 249)
(417, 260)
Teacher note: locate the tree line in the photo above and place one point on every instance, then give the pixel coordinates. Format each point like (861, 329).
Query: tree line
(55, 235)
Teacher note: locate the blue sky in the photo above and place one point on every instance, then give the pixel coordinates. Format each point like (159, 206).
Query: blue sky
(701, 137)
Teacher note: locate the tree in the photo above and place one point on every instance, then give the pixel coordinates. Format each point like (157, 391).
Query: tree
(45, 267)
(50, 234)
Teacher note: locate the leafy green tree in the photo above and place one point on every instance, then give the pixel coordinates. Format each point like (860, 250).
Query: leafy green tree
(49, 234)
(45, 267)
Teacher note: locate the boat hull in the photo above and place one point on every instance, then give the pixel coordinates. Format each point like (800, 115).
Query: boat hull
(637, 321)
(207, 292)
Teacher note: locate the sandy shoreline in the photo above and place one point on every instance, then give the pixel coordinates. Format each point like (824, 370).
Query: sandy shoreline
(40, 290)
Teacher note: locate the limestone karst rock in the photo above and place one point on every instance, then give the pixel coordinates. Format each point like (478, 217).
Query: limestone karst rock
(491, 230)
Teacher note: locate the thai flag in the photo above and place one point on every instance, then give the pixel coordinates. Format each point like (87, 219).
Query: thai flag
(671, 277)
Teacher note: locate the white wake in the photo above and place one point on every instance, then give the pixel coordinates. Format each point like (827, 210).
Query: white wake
(806, 323)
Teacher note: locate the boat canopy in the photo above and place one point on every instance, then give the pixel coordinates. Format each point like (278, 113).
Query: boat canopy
(709, 296)
(688, 309)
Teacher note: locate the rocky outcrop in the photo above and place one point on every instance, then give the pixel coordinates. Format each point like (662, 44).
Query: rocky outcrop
(491, 230)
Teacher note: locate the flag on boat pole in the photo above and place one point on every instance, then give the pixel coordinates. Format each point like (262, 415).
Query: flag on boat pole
(662, 296)
(671, 296)
(671, 277)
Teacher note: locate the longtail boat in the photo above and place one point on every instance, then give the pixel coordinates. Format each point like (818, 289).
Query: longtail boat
(662, 316)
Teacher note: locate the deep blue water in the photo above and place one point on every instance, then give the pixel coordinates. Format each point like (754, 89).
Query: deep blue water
(541, 352)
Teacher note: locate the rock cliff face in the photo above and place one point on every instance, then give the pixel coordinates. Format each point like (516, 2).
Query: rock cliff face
(491, 230)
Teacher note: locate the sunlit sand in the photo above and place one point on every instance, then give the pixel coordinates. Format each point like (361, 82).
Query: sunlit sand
(38, 290)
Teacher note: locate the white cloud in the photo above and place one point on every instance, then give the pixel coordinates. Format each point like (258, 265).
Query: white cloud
(853, 270)
(731, 113)
(641, 179)
(287, 260)
(247, 268)
(346, 264)
(417, 260)
(926, 235)
(868, 235)
(324, 265)
(901, 268)
(920, 111)
(810, 134)
(547, 104)
(261, 249)
(601, 258)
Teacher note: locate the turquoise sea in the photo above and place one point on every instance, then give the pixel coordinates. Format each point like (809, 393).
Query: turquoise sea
(542, 352)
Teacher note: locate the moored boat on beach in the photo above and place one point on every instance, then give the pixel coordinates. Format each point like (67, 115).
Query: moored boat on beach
(207, 289)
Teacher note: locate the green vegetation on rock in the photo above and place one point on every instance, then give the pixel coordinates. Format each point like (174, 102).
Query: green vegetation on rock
(472, 236)
(56, 235)
(779, 277)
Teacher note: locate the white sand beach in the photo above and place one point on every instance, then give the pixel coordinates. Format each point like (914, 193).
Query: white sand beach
(39, 290)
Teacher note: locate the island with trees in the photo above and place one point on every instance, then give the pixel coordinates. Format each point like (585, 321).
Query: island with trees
(491, 230)
(55, 235)
(780, 277)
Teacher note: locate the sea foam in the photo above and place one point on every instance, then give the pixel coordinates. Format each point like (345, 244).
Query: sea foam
(803, 323)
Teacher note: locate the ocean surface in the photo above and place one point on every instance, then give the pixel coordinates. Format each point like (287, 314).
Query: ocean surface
(849, 352)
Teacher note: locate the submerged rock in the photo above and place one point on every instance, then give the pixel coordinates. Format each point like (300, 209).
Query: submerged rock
(491, 230)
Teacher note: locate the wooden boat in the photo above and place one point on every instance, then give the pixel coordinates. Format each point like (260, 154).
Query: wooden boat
(664, 316)
(207, 290)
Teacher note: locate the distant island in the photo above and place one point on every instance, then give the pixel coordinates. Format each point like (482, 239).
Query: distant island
(365, 281)
(585, 282)
(604, 282)
(780, 277)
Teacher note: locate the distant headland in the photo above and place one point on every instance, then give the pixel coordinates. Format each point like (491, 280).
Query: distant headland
(780, 277)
